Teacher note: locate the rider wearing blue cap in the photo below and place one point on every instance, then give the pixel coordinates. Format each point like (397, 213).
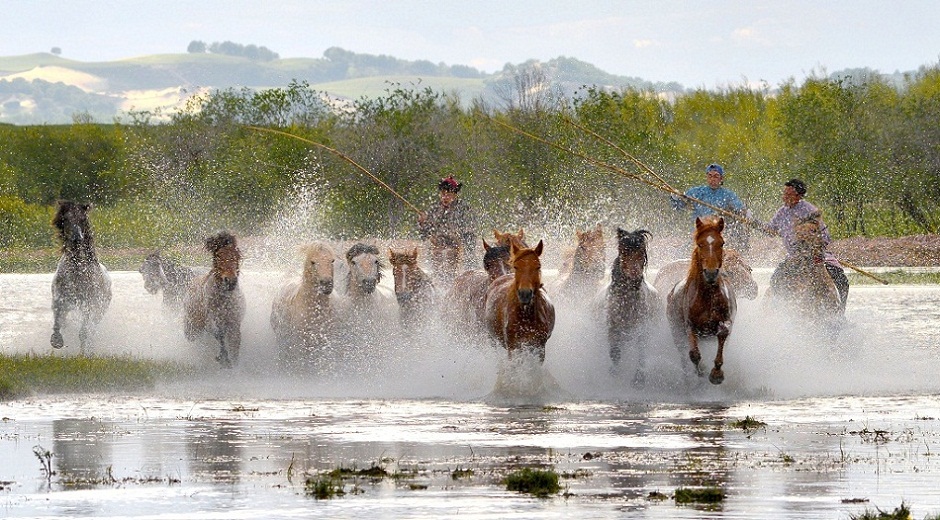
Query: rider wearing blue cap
(712, 192)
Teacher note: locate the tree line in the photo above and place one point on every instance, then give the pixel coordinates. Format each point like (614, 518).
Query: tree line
(869, 150)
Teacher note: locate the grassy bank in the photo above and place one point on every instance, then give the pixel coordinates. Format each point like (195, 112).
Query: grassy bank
(24, 374)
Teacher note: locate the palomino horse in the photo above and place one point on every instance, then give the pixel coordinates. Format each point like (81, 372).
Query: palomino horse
(161, 274)
(446, 256)
(802, 280)
(703, 304)
(632, 303)
(214, 302)
(583, 268)
(518, 312)
(302, 316)
(467, 297)
(413, 288)
(81, 282)
(504, 239)
(735, 269)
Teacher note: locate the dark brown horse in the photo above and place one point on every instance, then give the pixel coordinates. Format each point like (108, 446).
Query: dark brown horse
(632, 303)
(81, 282)
(467, 297)
(703, 304)
(214, 302)
(162, 274)
(414, 290)
(518, 312)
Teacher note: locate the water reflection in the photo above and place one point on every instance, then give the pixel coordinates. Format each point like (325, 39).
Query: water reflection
(82, 452)
(214, 448)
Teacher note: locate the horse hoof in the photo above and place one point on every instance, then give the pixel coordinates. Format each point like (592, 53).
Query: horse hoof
(57, 341)
(716, 376)
(695, 356)
(639, 379)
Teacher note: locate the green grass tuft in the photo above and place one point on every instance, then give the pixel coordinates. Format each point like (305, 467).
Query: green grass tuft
(323, 488)
(901, 512)
(707, 495)
(541, 483)
(748, 423)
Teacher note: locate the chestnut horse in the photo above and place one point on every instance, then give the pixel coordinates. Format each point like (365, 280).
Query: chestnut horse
(632, 303)
(735, 269)
(214, 302)
(161, 274)
(583, 269)
(413, 287)
(302, 314)
(80, 282)
(518, 312)
(504, 239)
(703, 304)
(803, 281)
(467, 297)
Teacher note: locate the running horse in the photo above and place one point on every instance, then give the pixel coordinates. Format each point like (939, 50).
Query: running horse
(302, 315)
(414, 290)
(467, 297)
(803, 281)
(505, 238)
(632, 303)
(81, 282)
(162, 274)
(703, 304)
(734, 268)
(583, 269)
(214, 302)
(518, 312)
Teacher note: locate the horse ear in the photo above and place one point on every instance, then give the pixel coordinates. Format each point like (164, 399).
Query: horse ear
(486, 247)
(620, 232)
(87, 207)
(578, 234)
(698, 222)
(721, 224)
(521, 234)
(414, 252)
(390, 253)
(538, 249)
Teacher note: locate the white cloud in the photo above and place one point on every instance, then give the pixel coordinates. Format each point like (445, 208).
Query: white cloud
(640, 44)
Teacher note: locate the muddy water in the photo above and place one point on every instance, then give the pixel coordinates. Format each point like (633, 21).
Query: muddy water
(849, 419)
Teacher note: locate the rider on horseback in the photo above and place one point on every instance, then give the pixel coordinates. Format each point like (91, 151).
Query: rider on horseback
(449, 224)
(714, 193)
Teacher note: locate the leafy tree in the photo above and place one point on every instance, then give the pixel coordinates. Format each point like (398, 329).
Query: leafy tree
(197, 47)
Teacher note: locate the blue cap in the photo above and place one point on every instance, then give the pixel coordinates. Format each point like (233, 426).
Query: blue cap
(717, 167)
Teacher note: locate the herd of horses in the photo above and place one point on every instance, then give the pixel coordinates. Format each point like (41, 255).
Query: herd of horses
(505, 301)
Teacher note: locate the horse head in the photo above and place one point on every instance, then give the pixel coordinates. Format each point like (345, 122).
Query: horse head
(708, 254)
(589, 255)
(406, 272)
(631, 257)
(505, 239)
(318, 267)
(152, 271)
(495, 260)
(807, 236)
(226, 258)
(528, 271)
(740, 274)
(71, 223)
(365, 268)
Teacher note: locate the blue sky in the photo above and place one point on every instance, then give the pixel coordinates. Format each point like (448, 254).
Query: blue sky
(697, 43)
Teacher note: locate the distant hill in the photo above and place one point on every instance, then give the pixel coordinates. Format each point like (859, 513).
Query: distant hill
(44, 88)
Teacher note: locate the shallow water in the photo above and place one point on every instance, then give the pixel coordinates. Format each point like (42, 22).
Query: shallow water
(855, 417)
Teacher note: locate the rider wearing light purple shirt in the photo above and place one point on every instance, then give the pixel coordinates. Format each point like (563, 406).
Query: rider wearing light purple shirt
(793, 210)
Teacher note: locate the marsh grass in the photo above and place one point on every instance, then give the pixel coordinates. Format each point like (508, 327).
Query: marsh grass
(323, 488)
(708, 495)
(901, 512)
(894, 278)
(748, 423)
(24, 374)
(538, 482)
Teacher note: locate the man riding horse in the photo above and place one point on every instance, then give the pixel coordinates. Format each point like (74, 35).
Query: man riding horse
(449, 226)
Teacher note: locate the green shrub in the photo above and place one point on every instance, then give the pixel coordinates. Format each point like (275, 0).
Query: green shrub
(541, 483)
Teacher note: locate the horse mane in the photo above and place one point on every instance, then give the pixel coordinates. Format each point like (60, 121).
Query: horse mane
(635, 240)
(219, 241)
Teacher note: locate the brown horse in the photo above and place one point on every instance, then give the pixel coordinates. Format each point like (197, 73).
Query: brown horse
(162, 274)
(703, 304)
(518, 312)
(467, 297)
(632, 303)
(583, 268)
(735, 269)
(802, 282)
(302, 315)
(214, 302)
(413, 287)
(80, 282)
(504, 239)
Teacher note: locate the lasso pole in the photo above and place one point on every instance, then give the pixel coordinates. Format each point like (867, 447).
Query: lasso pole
(342, 156)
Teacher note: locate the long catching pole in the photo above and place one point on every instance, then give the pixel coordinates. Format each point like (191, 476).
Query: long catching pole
(342, 156)
(665, 186)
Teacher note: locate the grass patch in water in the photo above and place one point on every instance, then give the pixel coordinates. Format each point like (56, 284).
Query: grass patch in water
(709, 495)
(25, 374)
(323, 488)
(458, 474)
(898, 277)
(538, 482)
(748, 423)
(901, 512)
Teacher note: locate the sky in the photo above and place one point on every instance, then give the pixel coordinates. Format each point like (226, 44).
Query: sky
(707, 43)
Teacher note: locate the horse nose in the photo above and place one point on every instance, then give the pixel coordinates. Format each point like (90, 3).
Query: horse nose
(229, 283)
(525, 296)
(368, 285)
(711, 275)
(326, 286)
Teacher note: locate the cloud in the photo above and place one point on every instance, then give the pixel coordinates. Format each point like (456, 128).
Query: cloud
(641, 44)
(749, 35)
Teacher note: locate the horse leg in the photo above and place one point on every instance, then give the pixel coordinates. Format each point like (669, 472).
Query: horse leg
(83, 332)
(717, 375)
(641, 338)
(58, 314)
(694, 354)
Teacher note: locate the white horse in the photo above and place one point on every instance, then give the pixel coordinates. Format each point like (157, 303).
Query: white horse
(302, 314)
